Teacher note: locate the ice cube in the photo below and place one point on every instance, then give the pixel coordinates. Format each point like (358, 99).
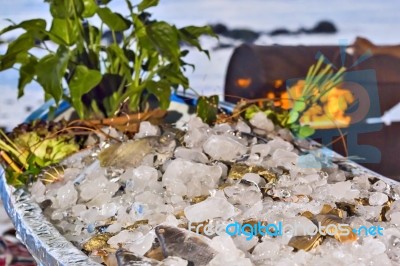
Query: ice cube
(266, 250)
(223, 148)
(377, 198)
(147, 129)
(66, 196)
(212, 207)
(260, 121)
(191, 154)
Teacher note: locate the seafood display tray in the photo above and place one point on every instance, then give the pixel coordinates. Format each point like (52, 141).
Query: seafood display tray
(49, 247)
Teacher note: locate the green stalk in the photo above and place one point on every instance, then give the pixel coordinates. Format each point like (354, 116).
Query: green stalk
(9, 141)
(16, 153)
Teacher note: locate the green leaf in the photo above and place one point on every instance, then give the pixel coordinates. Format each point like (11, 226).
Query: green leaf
(63, 33)
(299, 105)
(196, 32)
(114, 21)
(162, 90)
(207, 108)
(15, 50)
(63, 9)
(165, 38)
(293, 117)
(174, 75)
(90, 8)
(83, 81)
(26, 74)
(251, 111)
(119, 61)
(50, 71)
(29, 25)
(140, 34)
(146, 4)
(306, 131)
(191, 34)
(95, 38)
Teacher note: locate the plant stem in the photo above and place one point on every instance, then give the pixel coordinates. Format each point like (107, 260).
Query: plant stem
(10, 162)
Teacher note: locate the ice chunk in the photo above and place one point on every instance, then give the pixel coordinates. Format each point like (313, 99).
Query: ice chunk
(395, 218)
(212, 207)
(266, 250)
(78, 209)
(252, 177)
(146, 129)
(191, 154)
(93, 187)
(108, 209)
(285, 134)
(284, 158)
(298, 226)
(260, 121)
(222, 128)
(242, 127)
(71, 173)
(308, 161)
(362, 182)
(226, 259)
(114, 228)
(337, 176)
(379, 186)
(343, 190)
(192, 179)
(243, 243)
(174, 261)
(223, 148)
(91, 216)
(303, 189)
(369, 212)
(278, 143)
(149, 198)
(373, 246)
(123, 237)
(243, 195)
(66, 196)
(38, 189)
(141, 244)
(262, 149)
(197, 133)
(140, 178)
(377, 198)
(228, 254)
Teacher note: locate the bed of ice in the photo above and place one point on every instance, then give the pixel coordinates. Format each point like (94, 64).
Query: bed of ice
(173, 193)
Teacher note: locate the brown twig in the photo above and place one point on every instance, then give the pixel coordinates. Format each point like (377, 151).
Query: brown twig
(123, 120)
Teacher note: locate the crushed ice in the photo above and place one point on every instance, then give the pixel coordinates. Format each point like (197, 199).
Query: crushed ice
(194, 185)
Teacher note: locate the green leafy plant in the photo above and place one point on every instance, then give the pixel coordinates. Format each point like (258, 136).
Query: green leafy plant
(144, 57)
(318, 82)
(28, 149)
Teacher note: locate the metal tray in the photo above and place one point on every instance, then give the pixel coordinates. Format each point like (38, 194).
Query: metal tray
(49, 247)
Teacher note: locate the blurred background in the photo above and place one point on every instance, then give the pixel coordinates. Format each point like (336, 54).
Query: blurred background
(264, 22)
